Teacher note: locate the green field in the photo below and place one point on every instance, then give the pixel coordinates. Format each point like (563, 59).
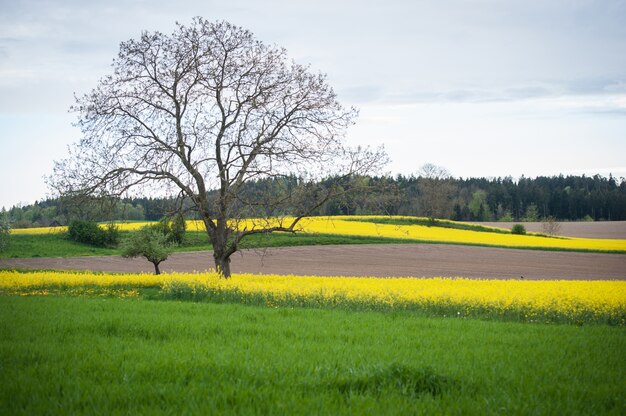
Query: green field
(81, 355)
(83, 350)
(59, 245)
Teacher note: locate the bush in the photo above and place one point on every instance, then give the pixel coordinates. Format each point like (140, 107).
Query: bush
(89, 232)
(172, 229)
(112, 235)
(177, 230)
(518, 229)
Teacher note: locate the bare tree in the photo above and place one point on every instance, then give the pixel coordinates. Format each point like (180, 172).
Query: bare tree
(436, 191)
(551, 225)
(201, 112)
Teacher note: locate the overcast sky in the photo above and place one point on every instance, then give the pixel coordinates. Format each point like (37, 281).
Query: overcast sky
(481, 87)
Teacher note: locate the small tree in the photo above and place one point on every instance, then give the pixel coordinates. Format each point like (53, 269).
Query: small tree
(506, 216)
(551, 226)
(479, 207)
(5, 231)
(532, 214)
(150, 243)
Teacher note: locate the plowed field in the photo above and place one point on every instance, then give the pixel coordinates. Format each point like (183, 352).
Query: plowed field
(384, 260)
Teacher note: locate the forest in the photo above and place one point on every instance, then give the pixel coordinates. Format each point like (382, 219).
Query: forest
(565, 198)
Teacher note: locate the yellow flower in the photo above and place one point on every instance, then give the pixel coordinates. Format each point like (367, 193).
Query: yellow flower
(532, 298)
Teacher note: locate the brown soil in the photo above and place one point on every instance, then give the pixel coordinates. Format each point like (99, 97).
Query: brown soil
(400, 260)
(598, 229)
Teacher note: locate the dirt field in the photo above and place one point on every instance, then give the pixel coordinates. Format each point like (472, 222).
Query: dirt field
(598, 229)
(402, 260)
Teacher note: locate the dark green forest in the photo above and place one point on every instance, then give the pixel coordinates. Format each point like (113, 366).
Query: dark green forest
(566, 198)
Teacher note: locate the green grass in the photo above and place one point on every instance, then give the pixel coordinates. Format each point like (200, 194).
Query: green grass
(50, 245)
(80, 355)
(58, 245)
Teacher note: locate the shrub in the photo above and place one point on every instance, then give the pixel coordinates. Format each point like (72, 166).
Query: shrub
(112, 235)
(89, 232)
(84, 232)
(172, 229)
(518, 229)
(177, 230)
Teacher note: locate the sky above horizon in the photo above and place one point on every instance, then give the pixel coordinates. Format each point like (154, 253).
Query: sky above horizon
(484, 88)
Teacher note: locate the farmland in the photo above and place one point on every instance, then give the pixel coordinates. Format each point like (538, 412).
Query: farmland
(380, 260)
(52, 242)
(295, 339)
(352, 246)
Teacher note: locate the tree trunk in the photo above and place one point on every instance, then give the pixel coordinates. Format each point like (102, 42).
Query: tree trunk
(221, 250)
(222, 264)
(156, 268)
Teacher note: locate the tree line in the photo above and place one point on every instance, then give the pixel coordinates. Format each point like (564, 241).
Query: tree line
(567, 198)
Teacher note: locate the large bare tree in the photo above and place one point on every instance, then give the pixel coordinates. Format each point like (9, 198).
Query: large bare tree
(203, 111)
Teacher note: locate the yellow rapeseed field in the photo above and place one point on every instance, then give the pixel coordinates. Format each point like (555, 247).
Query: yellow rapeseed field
(38, 230)
(123, 226)
(15, 281)
(341, 225)
(344, 225)
(349, 225)
(588, 300)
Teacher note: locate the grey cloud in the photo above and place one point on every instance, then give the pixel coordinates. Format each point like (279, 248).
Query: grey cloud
(362, 93)
(616, 87)
(610, 112)
(83, 47)
(594, 86)
(528, 92)
(502, 94)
